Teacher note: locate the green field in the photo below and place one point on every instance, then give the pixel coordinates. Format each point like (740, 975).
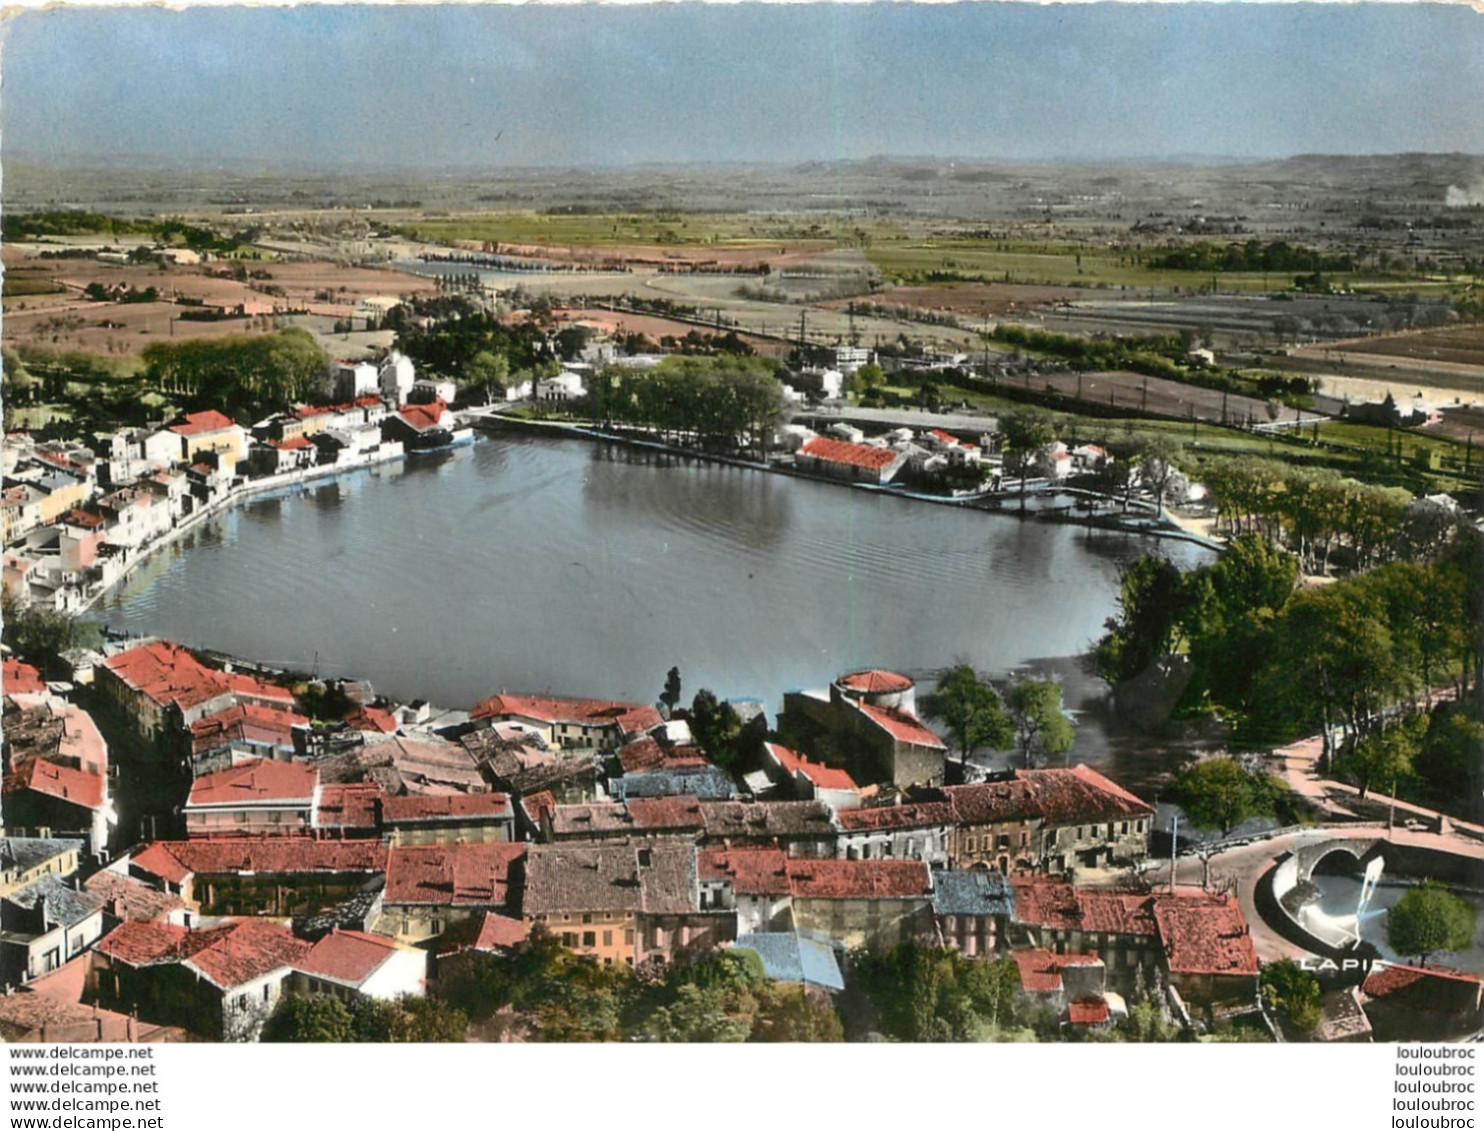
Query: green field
(618, 229)
(912, 261)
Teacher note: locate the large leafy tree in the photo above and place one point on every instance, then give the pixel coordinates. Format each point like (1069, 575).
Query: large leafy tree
(1042, 727)
(310, 1019)
(1387, 755)
(927, 994)
(1025, 433)
(971, 710)
(1428, 919)
(1219, 793)
(1153, 601)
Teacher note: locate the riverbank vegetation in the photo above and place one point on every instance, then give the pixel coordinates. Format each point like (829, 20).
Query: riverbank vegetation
(1277, 661)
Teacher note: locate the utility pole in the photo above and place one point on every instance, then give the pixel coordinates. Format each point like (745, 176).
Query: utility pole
(1174, 847)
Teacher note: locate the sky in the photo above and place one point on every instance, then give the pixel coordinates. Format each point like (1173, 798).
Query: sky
(348, 87)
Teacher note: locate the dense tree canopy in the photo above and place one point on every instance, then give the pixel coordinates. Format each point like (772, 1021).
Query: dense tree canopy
(244, 376)
(1219, 793)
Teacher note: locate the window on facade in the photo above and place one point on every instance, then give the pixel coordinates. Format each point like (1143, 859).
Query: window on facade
(436, 926)
(1124, 827)
(607, 938)
(589, 938)
(587, 918)
(569, 939)
(628, 938)
(241, 1002)
(1079, 832)
(1004, 841)
(268, 993)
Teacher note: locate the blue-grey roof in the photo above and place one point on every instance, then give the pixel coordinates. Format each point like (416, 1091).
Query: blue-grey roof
(709, 783)
(972, 893)
(789, 957)
(25, 852)
(60, 904)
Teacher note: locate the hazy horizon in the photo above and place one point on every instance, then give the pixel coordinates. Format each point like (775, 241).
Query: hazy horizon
(360, 89)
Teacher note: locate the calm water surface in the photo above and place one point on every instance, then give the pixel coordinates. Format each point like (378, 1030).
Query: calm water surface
(530, 564)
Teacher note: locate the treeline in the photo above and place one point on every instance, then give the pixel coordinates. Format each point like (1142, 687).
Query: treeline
(70, 222)
(1279, 661)
(443, 334)
(1312, 511)
(67, 222)
(243, 376)
(719, 403)
(1254, 255)
(1162, 355)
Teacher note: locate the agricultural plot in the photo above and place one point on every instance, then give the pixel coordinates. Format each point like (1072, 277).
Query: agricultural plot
(1156, 396)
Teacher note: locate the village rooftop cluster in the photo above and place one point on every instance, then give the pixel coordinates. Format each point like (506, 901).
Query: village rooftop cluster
(360, 857)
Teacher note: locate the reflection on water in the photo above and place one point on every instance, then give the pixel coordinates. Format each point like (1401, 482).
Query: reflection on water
(531, 564)
(1338, 896)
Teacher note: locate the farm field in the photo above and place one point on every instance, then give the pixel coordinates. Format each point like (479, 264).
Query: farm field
(62, 319)
(1452, 345)
(1157, 396)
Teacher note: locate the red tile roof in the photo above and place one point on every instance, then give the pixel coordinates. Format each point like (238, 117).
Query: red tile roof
(451, 875)
(859, 879)
(1204, 934)
(1390, 979)
(1056, 796)
(255, 782)
(875, 681)
(943, 437)
(138, 942)
(1088, 1011)
(158, 860)
(174, 860)
(656, 814)
(165, 673)
(251, 687)
(422, 416)
(770, 872)
(855, 455)
(377, 719)
(350, 805)
(497, 932)
(901, 726)
(347, 957)
(126, 898)
(750, 871)
(197, 423)
(292, 444)
(1040, 902)
(19, 678)
(1040, 970)
(244, 722)
(85, 519)
(539, 806)
(630, 718)
(927, 814)
(243, 950)
(647, 754)
(820, 776)
(226, 954)
(445, 807)
(63, 783)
